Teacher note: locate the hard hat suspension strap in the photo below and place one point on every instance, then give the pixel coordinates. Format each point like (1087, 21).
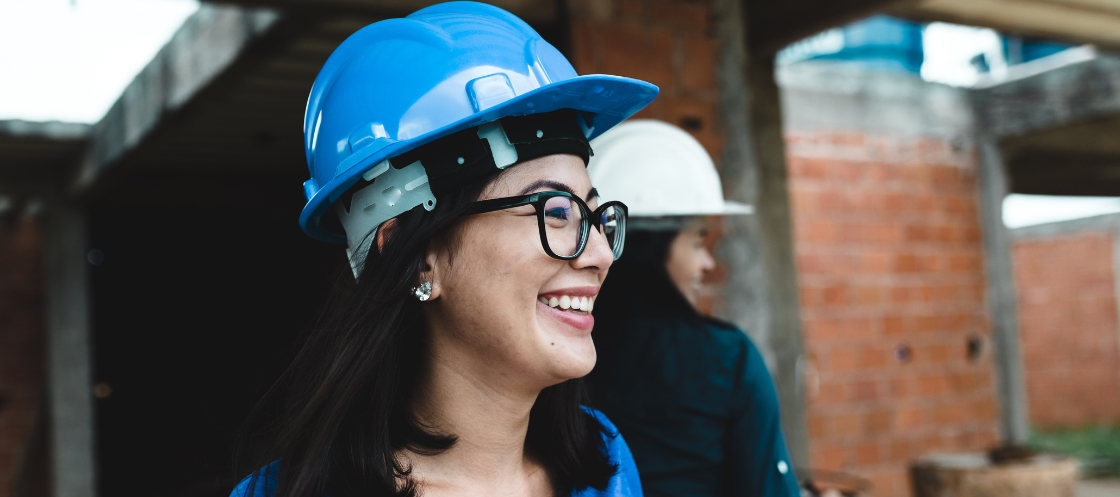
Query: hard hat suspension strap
(415, 178)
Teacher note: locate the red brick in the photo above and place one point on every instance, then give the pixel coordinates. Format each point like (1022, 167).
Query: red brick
(908, 418)
(844, 359)
(641, 53)
(697, 116)
(879, 421)
(829, 459)
(691, 16)
(698, 69)
(632, 10)
(867, 453)
(1066, 285)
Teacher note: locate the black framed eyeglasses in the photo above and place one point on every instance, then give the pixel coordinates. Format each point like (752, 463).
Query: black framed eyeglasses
(565, 221)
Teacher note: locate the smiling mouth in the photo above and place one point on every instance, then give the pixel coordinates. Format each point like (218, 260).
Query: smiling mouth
(580, 306)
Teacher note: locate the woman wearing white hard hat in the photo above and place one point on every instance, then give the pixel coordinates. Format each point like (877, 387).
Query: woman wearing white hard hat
(691, 393)
(447, 151)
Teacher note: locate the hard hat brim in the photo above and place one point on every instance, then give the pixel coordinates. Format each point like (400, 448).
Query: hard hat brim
(731, 208)
(610, 99)
(727, 208)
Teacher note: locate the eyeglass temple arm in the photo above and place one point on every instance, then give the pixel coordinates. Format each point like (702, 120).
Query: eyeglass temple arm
(498, 204)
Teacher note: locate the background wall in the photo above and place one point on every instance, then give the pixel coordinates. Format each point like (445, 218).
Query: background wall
(22, 435)
(1068, 322)
(887, 235)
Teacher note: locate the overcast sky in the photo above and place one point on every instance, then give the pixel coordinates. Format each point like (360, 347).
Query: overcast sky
(69, 60)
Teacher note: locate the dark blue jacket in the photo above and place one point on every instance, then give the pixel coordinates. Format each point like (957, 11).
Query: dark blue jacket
(693, 398)
(625, 483)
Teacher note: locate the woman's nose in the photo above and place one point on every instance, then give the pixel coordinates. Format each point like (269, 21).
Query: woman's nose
(597, 254)
(707, 262)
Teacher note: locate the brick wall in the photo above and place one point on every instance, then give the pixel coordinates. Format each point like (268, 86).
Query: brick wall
(21, 356)
(668, 43)
(889, 259)
(1069, 328)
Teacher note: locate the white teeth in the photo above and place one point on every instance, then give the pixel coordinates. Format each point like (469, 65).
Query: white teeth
(566, 302)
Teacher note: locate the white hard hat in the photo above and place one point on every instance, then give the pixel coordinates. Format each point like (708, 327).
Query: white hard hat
(658, 170)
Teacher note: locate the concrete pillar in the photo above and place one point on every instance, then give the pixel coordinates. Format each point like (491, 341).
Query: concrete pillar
(762, 292)
(68, 353)
(994, 187)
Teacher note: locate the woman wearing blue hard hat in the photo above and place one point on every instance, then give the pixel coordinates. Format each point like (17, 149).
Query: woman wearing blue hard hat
(448, 150)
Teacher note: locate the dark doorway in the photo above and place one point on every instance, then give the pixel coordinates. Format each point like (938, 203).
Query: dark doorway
(198, 297)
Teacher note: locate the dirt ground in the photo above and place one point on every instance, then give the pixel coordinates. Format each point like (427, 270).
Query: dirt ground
(1109, 487)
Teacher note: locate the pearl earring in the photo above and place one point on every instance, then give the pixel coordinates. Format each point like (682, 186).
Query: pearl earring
(423, 291)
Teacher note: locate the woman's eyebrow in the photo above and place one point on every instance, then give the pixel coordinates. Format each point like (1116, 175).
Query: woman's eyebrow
(547, 183)
(556, 185)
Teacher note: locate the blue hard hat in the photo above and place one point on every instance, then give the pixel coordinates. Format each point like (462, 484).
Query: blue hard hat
(401, 83)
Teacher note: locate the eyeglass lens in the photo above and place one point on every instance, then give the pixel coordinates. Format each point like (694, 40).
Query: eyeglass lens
(612, 223)
(563, 219)
(563, 223)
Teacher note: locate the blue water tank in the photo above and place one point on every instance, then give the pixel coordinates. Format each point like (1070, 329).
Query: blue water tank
(879, 41)
(1019, 49)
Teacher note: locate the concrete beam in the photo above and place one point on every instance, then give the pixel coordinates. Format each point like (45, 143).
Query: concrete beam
(1104, 222)
(207, 43)
(1077, 21)
(1085, 87)
(69, 372)
(1064, 142)
(762, 293)
(51, 130)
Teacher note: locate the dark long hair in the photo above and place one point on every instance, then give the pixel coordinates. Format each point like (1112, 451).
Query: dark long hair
(338, 416)
(642, 265)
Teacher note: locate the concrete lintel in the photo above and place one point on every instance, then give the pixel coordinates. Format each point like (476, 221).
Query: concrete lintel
(1103, 222)
(1087, 88)
(831, 95)
(51, 130)
(207, 43)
